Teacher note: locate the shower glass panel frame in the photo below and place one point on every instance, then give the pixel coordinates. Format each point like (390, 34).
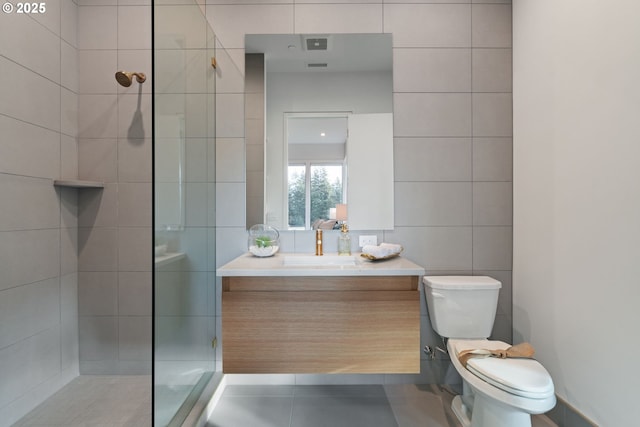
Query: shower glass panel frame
(184, 281)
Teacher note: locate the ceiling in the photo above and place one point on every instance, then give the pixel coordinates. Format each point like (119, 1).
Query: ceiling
(345, 52)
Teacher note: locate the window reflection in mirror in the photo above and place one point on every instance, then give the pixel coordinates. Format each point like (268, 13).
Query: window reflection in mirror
(307, 77)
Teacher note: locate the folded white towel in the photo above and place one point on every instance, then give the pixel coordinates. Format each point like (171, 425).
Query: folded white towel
(393, 247)
(384, 250)
(375, 251)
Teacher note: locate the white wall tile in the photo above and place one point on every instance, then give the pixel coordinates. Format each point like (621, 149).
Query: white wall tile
(97, 293)
(69, 321)
(196, 160)
(492, 70)
(492, 248)
(180, 26)
(196, 204)
(135, 293)
(448, 70)
(20, 38)
(134, 160)
(491, 25)
(492, 114)
(432, 159)
(98, 338)
(492, 159)
(28, 363)
(229, 202)
(232, 22)
(30, 203)
(428, 25)
(211, 204)
(97, 116)
(134, 204)
(435, 248)
(229, 116)
(229, 75)
(134, 338)
(492, 203)
(69, 77)
(68, 112)
(97, 27)
(182, 338)
(28, 256)
(134, 116)
(97, 159)
(134, 27)
(432, 203)
(134, 248)
(338, 18)
(29, 150)
(69, 22)
(230, 152)
(68, 207)
(97, 70)
(97, 249)
(432, 114)
(68, 251)
(181, 293)
(19, 91)
(230, 243)
(182, 71)
(68, 157)
(51, 17)
(197, 113)
(29, 309)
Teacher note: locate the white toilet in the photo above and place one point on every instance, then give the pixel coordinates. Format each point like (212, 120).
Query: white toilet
(496, 392)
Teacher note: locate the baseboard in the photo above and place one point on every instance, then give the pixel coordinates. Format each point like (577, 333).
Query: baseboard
(565, 415)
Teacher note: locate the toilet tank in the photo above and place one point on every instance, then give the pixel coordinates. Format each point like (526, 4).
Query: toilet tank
(462, 306)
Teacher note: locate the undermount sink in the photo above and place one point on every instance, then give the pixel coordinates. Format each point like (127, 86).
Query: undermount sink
(319, 261)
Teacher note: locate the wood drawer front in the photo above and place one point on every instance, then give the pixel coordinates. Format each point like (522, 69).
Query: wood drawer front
(321, 332)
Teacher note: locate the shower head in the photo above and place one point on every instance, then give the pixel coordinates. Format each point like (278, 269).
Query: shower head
(125, 78)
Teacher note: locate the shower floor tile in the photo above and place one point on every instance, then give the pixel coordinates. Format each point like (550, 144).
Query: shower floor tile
(96, 401)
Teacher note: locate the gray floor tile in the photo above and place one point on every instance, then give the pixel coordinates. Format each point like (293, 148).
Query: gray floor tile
(252, 411)
(258, 390)
(340, 390)
(342, 411)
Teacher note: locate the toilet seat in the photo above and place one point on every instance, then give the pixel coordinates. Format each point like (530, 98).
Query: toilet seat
(521, 377)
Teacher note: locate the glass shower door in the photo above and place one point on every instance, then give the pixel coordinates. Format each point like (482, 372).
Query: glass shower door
(184, 183)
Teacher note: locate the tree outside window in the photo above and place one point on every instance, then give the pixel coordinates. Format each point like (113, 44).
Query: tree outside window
(313, 190)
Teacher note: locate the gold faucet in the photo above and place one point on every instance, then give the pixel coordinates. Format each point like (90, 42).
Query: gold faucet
(318, 242)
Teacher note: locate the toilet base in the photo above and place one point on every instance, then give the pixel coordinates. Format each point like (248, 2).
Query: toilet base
(461, 411)
(487, 413)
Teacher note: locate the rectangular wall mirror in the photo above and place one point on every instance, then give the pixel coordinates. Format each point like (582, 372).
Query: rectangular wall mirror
(319, 129)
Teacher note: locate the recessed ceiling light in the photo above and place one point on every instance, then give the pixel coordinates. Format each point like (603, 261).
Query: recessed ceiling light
(322, 134)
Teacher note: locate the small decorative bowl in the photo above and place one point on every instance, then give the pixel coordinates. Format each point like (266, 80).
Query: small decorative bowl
(264, 240)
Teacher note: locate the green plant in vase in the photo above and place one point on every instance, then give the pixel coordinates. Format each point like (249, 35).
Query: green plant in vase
(263, 241)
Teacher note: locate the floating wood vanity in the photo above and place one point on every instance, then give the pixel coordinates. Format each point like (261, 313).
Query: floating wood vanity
(362, 318)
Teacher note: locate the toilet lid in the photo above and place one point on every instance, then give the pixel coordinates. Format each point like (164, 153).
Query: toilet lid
(521, 377)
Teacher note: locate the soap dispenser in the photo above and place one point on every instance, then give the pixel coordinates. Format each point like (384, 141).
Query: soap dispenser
(344, 240)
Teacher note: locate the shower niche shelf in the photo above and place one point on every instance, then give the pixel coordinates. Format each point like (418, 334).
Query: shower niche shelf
(77, 183)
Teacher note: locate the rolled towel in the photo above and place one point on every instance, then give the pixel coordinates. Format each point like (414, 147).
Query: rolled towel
(393, 248)
(519, 350)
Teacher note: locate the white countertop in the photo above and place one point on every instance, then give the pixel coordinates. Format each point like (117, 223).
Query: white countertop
(249, 265)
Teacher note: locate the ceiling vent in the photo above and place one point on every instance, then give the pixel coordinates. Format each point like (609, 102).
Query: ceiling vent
(317, 43)
(317, 65)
